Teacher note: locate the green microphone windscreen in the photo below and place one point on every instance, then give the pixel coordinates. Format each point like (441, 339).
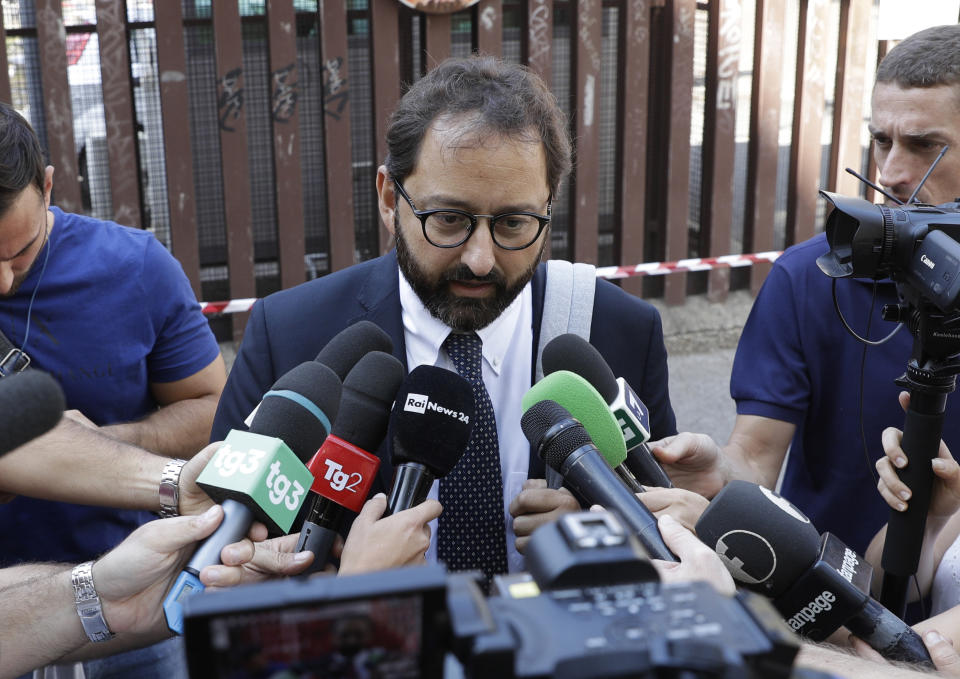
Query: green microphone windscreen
(586, 404)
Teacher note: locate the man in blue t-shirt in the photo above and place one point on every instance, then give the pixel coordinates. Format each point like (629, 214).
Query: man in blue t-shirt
(798, 376)
(110, 314)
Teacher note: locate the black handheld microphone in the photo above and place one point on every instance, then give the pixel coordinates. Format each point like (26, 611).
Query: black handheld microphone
(351, 344)
(817, 583)
(345, 468)
(565, 446)
(430, 428)
(31, 403)
(572, 352)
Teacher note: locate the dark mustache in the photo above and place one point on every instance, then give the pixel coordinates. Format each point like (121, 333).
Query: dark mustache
(463, 273)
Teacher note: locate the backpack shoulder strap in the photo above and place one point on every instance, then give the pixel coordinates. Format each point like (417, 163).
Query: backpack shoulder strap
(567, 303)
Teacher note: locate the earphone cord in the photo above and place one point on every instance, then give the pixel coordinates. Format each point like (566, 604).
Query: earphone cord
(26, 331)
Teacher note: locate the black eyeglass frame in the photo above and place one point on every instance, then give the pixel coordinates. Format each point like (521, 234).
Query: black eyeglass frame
(423, 215)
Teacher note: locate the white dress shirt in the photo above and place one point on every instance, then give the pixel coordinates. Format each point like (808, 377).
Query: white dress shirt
(507, 354)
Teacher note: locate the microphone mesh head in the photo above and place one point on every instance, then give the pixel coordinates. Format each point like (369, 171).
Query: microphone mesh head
(572, 352)
(365, 401)
(765, 542)
(539, 419)
(432, 419)
(293, 418)
(31, 404)
(351, 344)
(585, 404)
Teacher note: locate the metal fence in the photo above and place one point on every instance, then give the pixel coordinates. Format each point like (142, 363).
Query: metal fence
(226, 127)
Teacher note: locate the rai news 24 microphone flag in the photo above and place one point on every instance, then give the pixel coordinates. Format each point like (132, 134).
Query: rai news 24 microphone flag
(346, 465)
(260, 474)
(430, 427)
(817, 583)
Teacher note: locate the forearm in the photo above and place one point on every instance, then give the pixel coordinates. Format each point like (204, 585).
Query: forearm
(930, 554)
(41, 624)
(77, 464)
(843, 662)
(179, 429)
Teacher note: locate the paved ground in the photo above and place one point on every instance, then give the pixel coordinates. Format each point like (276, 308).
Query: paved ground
(701, 337)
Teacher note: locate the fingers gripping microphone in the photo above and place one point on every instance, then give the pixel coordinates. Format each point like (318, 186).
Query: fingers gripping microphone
(31, 404)
(563, 444)
(817, 583)
(587, 406)
(260, 473)
(430, 428)
(572, 352)
(344, 468)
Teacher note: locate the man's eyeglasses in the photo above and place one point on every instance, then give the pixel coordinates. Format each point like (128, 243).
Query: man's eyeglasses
(449, 227)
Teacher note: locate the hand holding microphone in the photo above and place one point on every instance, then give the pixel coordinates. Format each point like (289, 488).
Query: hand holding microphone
(345, 467)
(817, 583)
(563, 444)
(258, 475)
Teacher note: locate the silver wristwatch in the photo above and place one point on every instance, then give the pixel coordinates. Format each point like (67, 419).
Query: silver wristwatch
(170, 489)
(88, 604)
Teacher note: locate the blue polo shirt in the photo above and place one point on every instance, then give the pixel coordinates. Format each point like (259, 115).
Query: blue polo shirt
(113, 313)
(795, 362)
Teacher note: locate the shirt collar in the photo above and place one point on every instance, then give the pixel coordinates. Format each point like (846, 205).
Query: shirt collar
(426, 333)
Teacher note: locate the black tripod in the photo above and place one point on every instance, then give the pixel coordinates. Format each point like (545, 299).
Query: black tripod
(930, 378)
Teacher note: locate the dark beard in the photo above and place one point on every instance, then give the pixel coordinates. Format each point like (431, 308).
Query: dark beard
(464, 314)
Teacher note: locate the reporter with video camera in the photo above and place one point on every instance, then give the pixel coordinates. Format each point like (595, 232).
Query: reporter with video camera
(797, 373)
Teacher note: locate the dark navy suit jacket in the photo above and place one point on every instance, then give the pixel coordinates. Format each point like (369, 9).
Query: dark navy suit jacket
(292, 326)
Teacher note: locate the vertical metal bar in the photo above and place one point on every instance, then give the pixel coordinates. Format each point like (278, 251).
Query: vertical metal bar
(634, 70)
(285, 123)
(490, 27)
(540, 37)
(228, 41)
(719, 138)
(58, 113)
(587, 97)
(385, 58)
(5, 93)
(122, 147)
(336, 122)
(177, 149)
(806, 151)
(681, 17)
(848, 96)
(439, 39)
(761, 200)
(883, 47)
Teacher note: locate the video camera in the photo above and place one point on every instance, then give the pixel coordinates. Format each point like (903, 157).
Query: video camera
(915, 245)
(591, 606)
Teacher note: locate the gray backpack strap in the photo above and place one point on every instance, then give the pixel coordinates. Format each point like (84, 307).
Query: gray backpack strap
(567, 303)
(12, 360)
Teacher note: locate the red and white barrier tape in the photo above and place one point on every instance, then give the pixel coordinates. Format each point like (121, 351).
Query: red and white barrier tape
(699, 264)
(609, 272)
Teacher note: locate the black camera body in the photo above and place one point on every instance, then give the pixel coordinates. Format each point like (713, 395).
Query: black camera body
(915, 245)
(592, 606)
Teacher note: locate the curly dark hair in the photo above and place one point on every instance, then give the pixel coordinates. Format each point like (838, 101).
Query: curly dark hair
(500, 97)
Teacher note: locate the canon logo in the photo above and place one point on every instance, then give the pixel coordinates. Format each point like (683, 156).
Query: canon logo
(809, 613)
(927, 261)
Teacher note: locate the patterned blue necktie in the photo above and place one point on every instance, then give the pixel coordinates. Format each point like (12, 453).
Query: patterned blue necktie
(471, 534)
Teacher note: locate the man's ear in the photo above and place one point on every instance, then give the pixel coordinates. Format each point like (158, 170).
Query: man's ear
(387, 199)
(47, 185)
